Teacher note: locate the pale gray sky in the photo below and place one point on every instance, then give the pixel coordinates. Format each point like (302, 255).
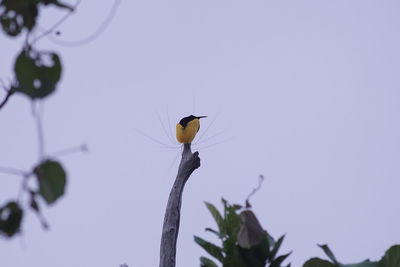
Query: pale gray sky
(304, 92)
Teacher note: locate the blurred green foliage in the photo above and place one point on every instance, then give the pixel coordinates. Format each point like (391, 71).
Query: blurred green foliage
(17, 15)
(36, 75)
(244, 242)
(50, 180)
(390, 259)
(10, 218)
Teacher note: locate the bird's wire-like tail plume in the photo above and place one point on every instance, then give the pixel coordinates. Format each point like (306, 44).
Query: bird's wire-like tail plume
(154, 139)
(169, 125)
(207, 138)
(208, 127)
(214, 144)
(165, 128)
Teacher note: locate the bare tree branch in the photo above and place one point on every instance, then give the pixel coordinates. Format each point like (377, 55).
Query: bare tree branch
(189, 162)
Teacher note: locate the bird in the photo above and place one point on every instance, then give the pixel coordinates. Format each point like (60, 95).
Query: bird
(187, 128)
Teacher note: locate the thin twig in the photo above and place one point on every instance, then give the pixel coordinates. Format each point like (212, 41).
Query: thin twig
(94, 35)
(13, 171)
(42, 220)
(57, 24)
(39, 127)
(260, 181)
(2, 83)
(24, 186)
(26, 41)
(6, 98)
(70, 150)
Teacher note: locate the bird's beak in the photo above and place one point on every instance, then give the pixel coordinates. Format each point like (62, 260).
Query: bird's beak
(199, 117)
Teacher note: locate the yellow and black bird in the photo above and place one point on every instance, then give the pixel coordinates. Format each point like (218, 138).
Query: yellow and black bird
(187, 128)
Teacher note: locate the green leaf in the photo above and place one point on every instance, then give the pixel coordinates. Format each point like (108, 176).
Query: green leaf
(391, 257)
(317, 262)
(270, 239)
(20, 14)
(232, 225)
(232, 221)
(212, 249)
(217, 217)
(256, 255)
(278, 261)
(37, 73)
(330, 254)
(52, 179)
(10, 24)
(275, 249)
(10, 219)
(229, 244)
(366, 263)
(17, 15)
(234, 259)
(214, 232)
(237, 206)
(206, 262)
(58, 4)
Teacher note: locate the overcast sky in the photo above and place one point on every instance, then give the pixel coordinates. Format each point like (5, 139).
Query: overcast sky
(304, 92)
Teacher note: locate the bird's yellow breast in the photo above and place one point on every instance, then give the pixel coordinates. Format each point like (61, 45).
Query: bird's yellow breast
(187, 134)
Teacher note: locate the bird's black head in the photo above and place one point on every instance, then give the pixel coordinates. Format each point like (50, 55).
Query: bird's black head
(188, 119)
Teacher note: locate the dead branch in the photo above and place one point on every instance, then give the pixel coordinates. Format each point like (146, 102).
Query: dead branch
(189, 162)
